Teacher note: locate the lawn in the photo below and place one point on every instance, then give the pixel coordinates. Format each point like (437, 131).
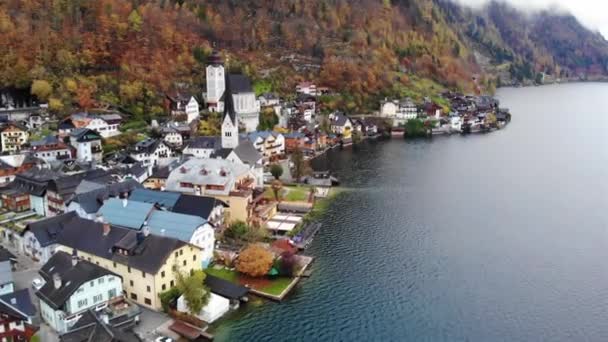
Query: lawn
(290, 193)
(272, 286)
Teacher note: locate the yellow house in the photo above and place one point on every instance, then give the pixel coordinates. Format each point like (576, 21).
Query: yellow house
(145, 262)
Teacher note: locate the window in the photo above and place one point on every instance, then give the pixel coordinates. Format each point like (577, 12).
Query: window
(176, 254)
(148, 288)
(143, 274)
(100, 281)
(184, 262)
(171, 284)
(147, 301)
(114, 264)
(111, 293)
(162, 274)
(181, 252)
(133, 296)
(97, 298)
(110, 278)
(82, 303)
(164, 287)
(129, 269)
(131, 282)
(92, 283)
(194, 257)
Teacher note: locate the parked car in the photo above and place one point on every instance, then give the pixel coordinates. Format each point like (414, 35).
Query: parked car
(37, 283)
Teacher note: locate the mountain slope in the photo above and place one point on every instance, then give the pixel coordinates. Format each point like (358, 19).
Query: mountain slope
(129, 52)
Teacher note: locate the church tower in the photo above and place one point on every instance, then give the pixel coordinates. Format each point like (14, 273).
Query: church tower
(216, 84)
(230, 121)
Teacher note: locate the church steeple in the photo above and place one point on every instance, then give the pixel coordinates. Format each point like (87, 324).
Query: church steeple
(215, 79)
(230, 121)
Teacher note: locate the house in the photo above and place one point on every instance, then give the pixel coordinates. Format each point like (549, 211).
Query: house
(222, 87)
(399, 111)
(140, 215)
(294, 140)
(234, 292)
(176, 134)
(186, 105)
(106, 125)
(12, 165)
(341, 124)
(227, 181)
(15, 200)
(307, 88)
(159, 175)
(16, 316)
(51, 149)
(202, 147)
(216, 307)
(369, 128)
(13, 136)
(72, 286)
(87, 204)
(271, 145)
(269, 100)
(40, 237)
(150, 151)
(34, 182)
(87, 143)
(61, 189)
(146, 262)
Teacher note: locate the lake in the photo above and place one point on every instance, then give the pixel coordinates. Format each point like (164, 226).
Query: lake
(496, 237)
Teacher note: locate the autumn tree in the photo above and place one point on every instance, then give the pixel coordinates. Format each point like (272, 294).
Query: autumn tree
(41, 89)
(255, 261)
(211, 125)
(192, 286)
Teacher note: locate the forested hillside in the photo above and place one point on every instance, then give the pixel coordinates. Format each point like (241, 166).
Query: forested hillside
(79, 53)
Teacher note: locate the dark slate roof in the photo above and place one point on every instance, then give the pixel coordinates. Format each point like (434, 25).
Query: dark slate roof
(148, 145)
(222, 153)
(137, 170)
(91, 328)
(20, 301)
(34, 181)
(229, 101)
(161, 172)
(85, 134)
(239, 83)
(10, 310)
(66, 124)
(66, 185)
(47, 230)
(340, 120)
(196, 205)
(92, 200)
(48, 140)
(5, 255)
(225, 288)
(72, 277)
(205, 142)
(148, 255)
(165, 199)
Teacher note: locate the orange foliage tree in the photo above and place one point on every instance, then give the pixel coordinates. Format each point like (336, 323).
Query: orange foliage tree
(255, 261)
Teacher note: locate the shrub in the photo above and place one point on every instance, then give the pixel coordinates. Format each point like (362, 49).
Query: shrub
(168, 297)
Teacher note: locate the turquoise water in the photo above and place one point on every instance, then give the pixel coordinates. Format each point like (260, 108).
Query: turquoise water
(498, 237)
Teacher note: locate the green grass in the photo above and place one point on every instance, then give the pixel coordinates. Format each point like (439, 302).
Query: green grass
(35, 338)
(296, 194)
(223, 273)
(277, 286)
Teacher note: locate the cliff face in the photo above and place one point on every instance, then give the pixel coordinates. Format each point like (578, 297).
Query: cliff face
(127, 52)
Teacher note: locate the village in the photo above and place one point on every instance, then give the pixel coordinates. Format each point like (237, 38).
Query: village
(161, 239)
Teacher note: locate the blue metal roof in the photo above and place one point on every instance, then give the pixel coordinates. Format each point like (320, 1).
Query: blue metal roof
(163, 198)
(131, 216)
(174, 225)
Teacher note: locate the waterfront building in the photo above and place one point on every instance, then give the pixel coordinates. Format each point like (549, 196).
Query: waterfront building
(72, 286)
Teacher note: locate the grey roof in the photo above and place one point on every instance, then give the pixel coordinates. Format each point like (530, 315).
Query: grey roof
(72, 277)
(225, 288)
(137, 170)
(20, 301)
(148, 145)
(204, 143)
(85, 134)
(125, 213)
(91, 328)
(6, 272)
(92, 201)
(48, 140)
(196, 205)
(146, 253)
(165, 199)
(247, 153)
(340, 120)
(206, 172)
(34, 181)
(47, 230)
(239, 83)
(175, 225)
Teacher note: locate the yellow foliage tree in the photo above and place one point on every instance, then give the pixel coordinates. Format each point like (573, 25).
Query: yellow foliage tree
(255, 261)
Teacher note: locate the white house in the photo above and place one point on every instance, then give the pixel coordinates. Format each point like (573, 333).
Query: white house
(172, 136)
(185, 105)
(50, 149)
(150, 151)
(13, 136)
(87, 143)
(399, 111)
(40, 237)
(341, 124)
(269, 100)
(270, 144)
(216, 307)
(307, 88)
(202, 147)
(7, 284)
(72, 287)
(107, 125)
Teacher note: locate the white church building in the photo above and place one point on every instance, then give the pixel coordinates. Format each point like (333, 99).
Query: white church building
(246, 105)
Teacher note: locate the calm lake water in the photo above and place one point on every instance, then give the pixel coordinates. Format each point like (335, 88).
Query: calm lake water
(498, 237)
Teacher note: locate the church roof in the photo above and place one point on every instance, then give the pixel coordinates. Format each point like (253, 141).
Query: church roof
(229, 102)
(215, 58)
(240, 84)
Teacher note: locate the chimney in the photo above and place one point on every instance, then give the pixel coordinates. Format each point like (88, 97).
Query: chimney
(125, 202)
(106, 229)
(146, 230)
(14, 300)
(74, 257)
(57, 280)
